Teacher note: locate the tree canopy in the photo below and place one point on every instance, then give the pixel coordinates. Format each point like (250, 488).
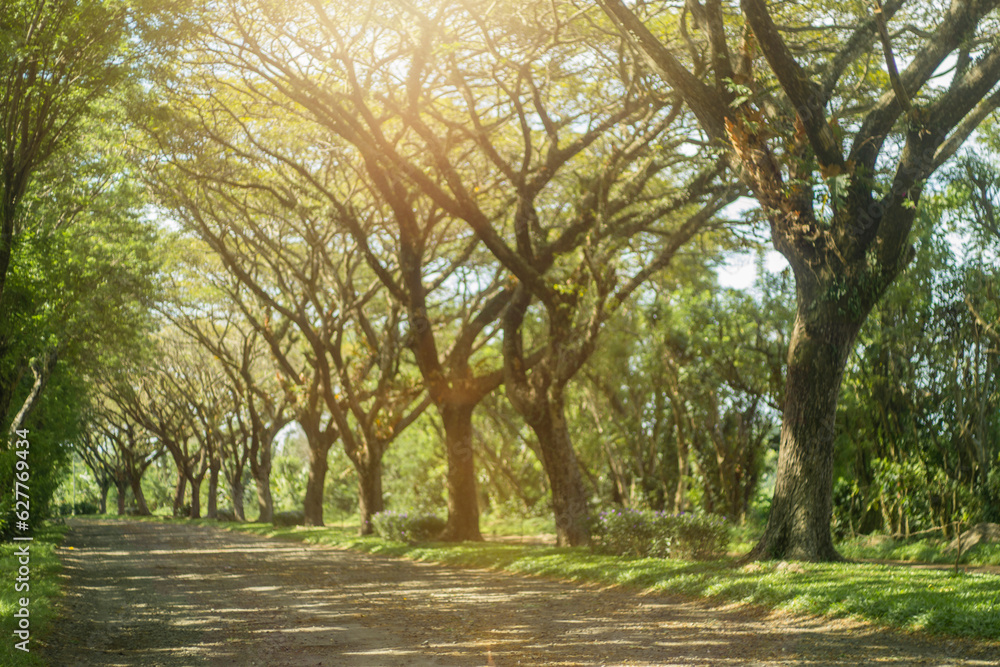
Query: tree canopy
(361, 256)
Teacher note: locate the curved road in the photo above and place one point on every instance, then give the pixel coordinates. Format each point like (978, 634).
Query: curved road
(171, 594)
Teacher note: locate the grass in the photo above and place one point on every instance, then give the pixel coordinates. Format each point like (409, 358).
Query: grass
(934, 601)
(43, 587)
(926, 550)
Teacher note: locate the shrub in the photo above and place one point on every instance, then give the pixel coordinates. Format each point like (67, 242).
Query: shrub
(629, 532)
(226, 514)
(407, 526)
(81, 507)
(293, 518)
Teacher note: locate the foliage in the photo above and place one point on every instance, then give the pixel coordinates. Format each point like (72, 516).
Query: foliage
(691, 425)
(629, 532)
(919, 550)
(919, 425)
(288, 481)
(81, 507)
(415, 469)
(45, 568)
(407, 526)
(289, 518)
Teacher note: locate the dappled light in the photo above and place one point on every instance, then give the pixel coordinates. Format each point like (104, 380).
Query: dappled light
(237, 599)
(684, 314)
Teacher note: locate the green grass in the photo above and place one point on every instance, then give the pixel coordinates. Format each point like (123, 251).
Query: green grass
(43, 587)
(928, 600)
(514, 527)
(926, 550)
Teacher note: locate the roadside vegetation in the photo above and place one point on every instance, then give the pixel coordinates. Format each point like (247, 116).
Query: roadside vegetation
(496, 267)
(43, 590)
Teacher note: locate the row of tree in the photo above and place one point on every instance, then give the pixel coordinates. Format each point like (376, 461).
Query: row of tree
(385, 212)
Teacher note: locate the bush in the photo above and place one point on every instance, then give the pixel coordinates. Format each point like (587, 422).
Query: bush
(407, 526)
(293, 518)
(225, 514)
(81, 507)
(642, 533)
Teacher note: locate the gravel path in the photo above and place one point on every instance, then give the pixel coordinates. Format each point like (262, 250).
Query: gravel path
(172, 594)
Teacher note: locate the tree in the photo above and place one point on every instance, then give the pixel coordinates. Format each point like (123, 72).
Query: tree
(435, 271)
(840, 217)
(57, 59)
(704, 365)
(474, 112)
(295, 277)
(261, 407)
(118, 451)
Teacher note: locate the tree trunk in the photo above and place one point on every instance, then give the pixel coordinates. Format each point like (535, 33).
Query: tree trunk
(195, 512)
(265, 502)
(370, 500)
(213, 491)
(463, 503)
(179, 493)
(140, 498)
(312, 506)
(41, 368)
(569, 494)
(237, 489)
(801, 510)
(260, 469)
(122, 488)
(104, 498)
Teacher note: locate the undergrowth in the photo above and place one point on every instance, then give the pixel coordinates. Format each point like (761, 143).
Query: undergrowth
(925, 550)
(43, 587)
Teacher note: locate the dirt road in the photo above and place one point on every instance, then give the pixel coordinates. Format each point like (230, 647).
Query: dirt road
(172, 594)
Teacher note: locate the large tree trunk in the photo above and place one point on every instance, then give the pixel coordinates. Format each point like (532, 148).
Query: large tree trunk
(370, 500)
(569, 494)
(238, 491)
(195, 482)
(312, 506)
(320, 440)
(122, 488)
(539, 399)
(260, 469)
(140, 498)
(104, 497)
(180, 492)
(265, 502)
(799, 524)
(463, 503)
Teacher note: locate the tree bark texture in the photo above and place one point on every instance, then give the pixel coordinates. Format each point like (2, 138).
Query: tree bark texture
(213, 491)
(265, 502)
(135, 481)
(103, 503)
(463, 502)
(799, 524)
(195, 482)
(122, 488)
(238, 491)
(312, 506)
(569, 493)
(180, 491)
(370, 500)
